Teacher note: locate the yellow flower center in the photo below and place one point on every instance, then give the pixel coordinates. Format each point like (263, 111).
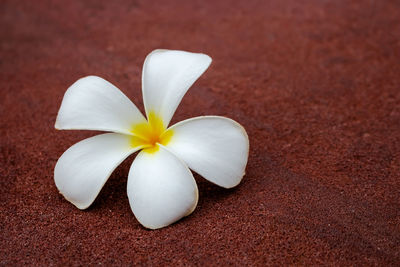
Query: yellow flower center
(151, 133)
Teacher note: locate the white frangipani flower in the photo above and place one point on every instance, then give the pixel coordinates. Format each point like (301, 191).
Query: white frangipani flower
(161, 188)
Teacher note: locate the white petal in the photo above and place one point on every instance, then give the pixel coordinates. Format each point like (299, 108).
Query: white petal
(167, 75)
(92, 103)
(215, 147)
(161, 189)
(82, 170)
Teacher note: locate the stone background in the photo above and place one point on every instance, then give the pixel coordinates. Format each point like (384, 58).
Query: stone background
(315, 83)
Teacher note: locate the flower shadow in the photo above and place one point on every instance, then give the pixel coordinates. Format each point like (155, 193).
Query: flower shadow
(210, 193)
(114, 197)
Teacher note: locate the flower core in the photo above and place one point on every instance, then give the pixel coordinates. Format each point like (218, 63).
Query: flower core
(151, 133)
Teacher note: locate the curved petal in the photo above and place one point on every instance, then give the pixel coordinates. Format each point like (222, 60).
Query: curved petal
(215, 147)
(83, 169)
(167, 75)
(92, 103)
(161, 189)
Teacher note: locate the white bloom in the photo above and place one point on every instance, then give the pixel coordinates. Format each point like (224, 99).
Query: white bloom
(161, 189)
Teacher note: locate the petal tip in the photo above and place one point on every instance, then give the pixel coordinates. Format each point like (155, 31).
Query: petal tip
(152, 227)
(233, 184)
(81, 206)
(209, 59)
(57, 126)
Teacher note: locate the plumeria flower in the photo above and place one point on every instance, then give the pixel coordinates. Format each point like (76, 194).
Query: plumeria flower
(161, 188)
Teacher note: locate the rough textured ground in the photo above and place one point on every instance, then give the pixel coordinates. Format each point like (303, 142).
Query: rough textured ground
(315, 83)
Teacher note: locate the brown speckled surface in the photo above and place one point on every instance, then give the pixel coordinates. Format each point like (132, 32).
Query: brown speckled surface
(316, 84)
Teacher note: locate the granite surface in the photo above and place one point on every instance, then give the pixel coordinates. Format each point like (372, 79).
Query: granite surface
(315, 83)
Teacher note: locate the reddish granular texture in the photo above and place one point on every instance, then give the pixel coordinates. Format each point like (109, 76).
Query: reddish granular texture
(316, 84)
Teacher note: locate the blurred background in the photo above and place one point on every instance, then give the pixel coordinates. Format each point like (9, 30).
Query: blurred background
(315, 83)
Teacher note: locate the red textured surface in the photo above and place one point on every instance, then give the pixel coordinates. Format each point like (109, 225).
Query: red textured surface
(315, 83)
